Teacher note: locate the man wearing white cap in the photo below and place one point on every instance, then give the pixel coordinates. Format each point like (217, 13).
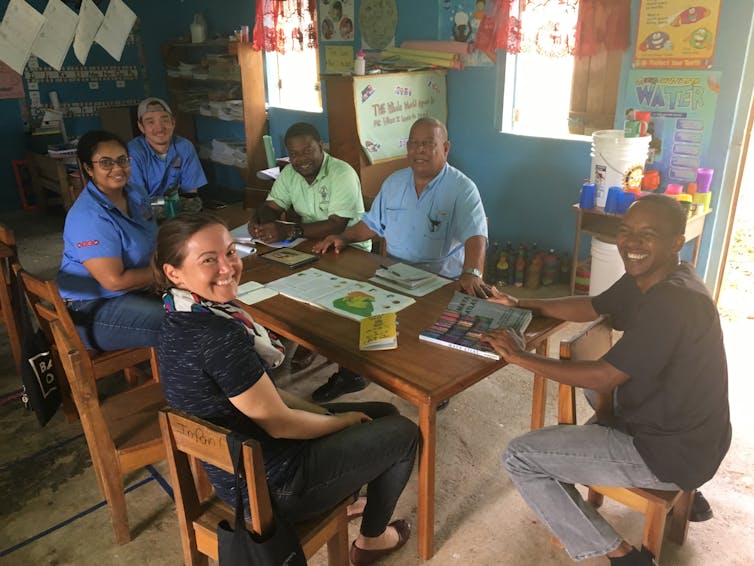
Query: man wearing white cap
(160, 161)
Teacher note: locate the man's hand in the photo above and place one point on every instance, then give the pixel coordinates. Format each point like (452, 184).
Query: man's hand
(337, 243)
(474, 286)
(503, 299)
(506, 342)
(269, 232)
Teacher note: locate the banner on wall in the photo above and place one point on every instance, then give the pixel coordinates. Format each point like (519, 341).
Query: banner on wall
(387, 105)
(682, 106)
(676, 34)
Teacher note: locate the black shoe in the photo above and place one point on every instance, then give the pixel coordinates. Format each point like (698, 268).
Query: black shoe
(338, 385)
(443, 404)
(700, 509)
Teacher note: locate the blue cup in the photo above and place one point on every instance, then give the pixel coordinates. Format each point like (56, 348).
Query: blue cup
(626, 199)
(587, 196)
(612, 204)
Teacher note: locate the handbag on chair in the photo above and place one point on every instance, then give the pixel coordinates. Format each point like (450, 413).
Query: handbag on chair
(41, 392)
(240, 547)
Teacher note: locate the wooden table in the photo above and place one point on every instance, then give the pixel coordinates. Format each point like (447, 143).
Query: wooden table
(419, 372)
(605, 226)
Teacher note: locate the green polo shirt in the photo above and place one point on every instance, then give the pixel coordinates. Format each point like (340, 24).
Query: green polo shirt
(335, 191)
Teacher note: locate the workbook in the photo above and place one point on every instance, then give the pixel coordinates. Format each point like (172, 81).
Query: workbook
(378, 332)
(347, 297)
(467, 319)
(290, 257)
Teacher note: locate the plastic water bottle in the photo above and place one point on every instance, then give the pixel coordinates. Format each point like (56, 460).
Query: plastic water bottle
(490, 268)
(520, 266)
(534, 270)
(551, 269)
(503, 266)
(359, 64)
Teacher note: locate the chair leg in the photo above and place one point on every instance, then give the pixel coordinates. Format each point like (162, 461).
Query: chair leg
(654, 528)
(337, 545)
(114, 492)
(679, 517)
(595, 498)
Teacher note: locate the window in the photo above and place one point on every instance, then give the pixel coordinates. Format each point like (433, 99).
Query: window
(546, 91)
(292, 75)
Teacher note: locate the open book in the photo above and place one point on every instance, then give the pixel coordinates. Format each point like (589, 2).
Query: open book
(378, 332)
(467, 318)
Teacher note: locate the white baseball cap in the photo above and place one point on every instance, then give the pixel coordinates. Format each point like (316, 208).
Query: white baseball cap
(144, 106)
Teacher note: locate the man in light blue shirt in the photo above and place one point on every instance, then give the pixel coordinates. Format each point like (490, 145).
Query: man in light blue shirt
(430, 214)
(161, 162)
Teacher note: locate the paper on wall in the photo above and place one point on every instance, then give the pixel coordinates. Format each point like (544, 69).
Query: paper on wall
(56, 36)
(90, 19)
(18, 31)
(112, 35)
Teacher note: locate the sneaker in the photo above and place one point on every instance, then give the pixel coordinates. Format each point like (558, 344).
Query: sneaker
(700, 509)
(338, 385)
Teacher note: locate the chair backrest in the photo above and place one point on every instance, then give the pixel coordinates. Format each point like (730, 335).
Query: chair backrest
(590, 343)
(45, 299)
(8, 292)
(186, 435)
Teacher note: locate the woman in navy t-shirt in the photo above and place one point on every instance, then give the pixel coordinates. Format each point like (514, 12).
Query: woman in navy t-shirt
(213, 364)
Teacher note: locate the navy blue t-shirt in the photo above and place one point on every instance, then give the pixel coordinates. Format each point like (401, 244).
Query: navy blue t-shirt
(205, 359)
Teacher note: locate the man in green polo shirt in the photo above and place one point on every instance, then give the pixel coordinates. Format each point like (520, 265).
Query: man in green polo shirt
(326, 193)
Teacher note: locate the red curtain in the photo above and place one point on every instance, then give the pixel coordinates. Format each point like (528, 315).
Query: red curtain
(282, 25)
(548, 27)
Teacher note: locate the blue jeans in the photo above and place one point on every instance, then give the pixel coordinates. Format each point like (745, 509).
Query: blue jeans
(545, 464)
(379, 453)
(131, 320)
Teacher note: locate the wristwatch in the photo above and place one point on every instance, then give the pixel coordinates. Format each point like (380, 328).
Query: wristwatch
(298, 231)
(473, 271)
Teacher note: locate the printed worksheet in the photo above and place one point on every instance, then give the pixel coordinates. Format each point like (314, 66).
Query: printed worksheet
(347, 297)
(113, 33)
(90, 19)
(56, 36)
(18, 31)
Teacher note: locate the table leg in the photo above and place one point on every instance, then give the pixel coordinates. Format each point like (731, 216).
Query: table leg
(575, 256)
(539, 392)
(697, 245)
(426, 511)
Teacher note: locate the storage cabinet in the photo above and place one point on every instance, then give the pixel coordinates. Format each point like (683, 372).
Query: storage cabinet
(216, 90)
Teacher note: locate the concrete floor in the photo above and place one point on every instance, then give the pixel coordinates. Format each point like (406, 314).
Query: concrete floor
(52, 512)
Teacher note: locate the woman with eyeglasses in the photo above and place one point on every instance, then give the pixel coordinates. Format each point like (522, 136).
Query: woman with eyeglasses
(108, 240)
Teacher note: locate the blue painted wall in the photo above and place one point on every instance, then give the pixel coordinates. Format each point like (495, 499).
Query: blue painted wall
(527, 184)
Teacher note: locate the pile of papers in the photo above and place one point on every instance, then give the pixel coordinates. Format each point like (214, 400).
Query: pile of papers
(230, 110)
(229, 152)
(412, 280)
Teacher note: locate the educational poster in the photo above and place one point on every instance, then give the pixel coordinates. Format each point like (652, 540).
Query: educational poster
(387, 105)
(339, 59)
(683, 105)
(336, 20)
(459, 21)
(676, 34)
(378, 20)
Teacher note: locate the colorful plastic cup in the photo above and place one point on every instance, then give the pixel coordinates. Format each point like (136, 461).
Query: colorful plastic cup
(703, 179)
(587, 196)
(643, 117)
(674, 189)
(626, 200)
(612, 204)
(631, 129)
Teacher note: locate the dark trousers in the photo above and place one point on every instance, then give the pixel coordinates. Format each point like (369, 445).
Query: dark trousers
(379, 453)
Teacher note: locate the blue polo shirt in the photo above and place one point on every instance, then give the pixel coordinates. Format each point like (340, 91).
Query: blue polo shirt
(95, 228)
(429, 230)
(180, 169)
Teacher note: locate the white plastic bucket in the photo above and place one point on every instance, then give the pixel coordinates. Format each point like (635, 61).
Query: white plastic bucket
(617, 161)
(607, 266)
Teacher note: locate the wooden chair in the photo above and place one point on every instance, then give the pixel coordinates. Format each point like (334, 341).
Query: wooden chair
(122, 431)
(592, 343)
(187, 438)
(48, 304)
(50, 175)
(8, 293)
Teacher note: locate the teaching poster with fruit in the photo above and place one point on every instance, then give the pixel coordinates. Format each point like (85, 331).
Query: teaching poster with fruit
(676, 34)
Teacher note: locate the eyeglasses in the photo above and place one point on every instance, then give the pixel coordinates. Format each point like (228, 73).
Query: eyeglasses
(107, 164)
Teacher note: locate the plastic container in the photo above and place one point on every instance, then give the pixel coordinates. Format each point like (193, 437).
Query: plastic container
(551, 269)
(617, 161)
(359, 64)
(198, 29)
(607, 266)
(703, 201)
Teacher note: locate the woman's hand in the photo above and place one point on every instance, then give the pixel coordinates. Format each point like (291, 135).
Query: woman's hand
(353, 417)
(503, 299)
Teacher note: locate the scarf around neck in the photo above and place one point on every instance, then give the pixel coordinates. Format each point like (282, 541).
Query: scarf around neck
(266, 345)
